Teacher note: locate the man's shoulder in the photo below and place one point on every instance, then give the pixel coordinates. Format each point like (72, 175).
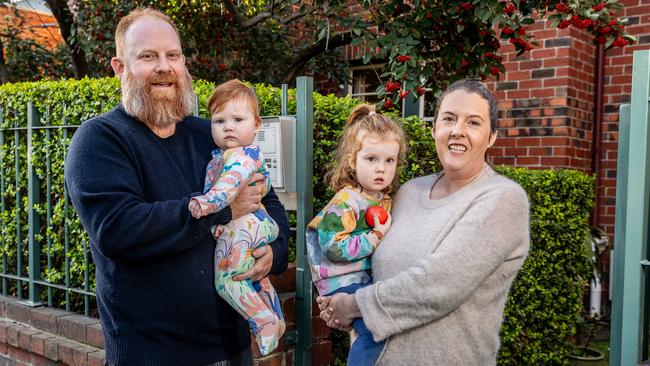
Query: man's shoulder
(113, 118)
(197, 124)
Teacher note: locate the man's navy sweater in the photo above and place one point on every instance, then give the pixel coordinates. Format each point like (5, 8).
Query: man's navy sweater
(154, 262)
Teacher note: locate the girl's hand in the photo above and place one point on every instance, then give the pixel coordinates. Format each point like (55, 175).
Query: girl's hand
(323, 303)
(195, 209)
(382, 228)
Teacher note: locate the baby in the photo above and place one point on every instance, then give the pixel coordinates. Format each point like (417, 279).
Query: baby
(235, 122)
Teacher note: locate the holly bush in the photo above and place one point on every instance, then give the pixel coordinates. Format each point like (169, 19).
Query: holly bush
(545, 297)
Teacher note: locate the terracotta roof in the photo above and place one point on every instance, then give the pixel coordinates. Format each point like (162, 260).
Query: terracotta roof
(36, 26)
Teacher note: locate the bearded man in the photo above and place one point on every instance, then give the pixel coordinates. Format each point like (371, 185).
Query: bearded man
(130, 173)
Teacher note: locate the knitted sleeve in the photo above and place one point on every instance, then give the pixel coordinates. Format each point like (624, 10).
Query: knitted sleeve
(339, 238)
(280, 246)
(492, 231)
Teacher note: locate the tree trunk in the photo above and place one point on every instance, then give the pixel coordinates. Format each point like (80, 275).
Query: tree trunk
(4, 73)
(316, 49)
(64, 17)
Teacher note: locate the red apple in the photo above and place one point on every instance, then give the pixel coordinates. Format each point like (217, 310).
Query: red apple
(376, 210)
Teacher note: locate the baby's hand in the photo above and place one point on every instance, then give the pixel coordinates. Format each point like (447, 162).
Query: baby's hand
(195, 209)
(382, 228)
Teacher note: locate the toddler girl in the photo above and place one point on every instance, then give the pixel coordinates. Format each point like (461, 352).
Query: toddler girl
(235, 122)
(339, 240)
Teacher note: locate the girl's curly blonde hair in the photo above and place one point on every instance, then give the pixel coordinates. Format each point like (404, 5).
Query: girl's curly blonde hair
(363, 121)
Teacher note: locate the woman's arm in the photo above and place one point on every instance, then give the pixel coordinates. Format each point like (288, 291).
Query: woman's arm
(493, 230)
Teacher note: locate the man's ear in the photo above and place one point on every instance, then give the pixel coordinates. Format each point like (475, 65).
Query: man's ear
(118, 67)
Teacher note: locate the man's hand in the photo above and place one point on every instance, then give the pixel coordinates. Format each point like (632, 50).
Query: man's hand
(263, 263)
(249, 198)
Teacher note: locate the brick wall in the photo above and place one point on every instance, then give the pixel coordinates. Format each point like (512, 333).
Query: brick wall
(547, 102)
(49, 336)
(618, 86)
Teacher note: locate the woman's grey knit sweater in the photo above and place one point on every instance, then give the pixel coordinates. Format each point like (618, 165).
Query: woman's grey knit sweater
(443, 271)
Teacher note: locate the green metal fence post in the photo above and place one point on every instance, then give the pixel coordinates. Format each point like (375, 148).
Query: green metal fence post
(304, 171)
(617, 284)
(632, 222)
(34, 248)
(2, 194)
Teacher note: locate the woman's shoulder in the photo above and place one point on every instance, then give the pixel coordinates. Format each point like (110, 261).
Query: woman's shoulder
(423, 182)
(506, 190)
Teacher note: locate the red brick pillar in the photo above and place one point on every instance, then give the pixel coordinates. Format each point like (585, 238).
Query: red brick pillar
(546, 101)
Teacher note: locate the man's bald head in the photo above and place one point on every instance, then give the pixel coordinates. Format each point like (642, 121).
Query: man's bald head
(127, 21)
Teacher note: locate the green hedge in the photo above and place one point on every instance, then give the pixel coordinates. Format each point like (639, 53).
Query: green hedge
(546, 296)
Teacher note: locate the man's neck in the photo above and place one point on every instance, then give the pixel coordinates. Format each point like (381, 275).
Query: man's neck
(162, 131)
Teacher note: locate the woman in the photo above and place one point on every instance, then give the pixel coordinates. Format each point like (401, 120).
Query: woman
(443, 271)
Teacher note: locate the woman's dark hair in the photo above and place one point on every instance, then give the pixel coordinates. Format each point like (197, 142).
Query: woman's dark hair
(476, 86)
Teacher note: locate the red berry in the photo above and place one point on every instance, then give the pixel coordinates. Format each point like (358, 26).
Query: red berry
(509, 8)
(494, 70)
(388, 103)
(403, 58)
(598, 7)
(620, 42)
(600, 39)
(561, 7)
(564, 24)
(507, 30)
(376, 210)
(420, 90)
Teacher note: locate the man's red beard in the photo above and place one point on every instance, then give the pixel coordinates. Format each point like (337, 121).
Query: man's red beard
(158, 107)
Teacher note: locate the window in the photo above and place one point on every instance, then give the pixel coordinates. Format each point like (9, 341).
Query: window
(427, 106)
(365, 81)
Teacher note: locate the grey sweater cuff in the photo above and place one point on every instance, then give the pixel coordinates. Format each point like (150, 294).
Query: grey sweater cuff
(374, 315)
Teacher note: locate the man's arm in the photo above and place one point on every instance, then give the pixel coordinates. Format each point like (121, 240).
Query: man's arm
(103, 182)
(280, 246)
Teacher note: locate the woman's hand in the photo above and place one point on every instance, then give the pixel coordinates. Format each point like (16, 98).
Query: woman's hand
(339, 310)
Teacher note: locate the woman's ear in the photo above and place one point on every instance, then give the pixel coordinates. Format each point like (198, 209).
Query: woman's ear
(492, 139)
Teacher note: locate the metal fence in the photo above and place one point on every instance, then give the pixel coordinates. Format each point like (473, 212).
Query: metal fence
(34, 243)
(630, 286)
